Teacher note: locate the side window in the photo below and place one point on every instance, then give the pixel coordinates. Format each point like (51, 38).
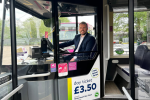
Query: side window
(5, 51)
(6, 56)
(120, 34)
(120, 31)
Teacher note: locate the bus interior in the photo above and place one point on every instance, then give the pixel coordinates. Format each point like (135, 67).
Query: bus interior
(32, 65)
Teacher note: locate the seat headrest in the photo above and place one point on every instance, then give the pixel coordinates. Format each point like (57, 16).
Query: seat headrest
(140, 53)
(142, 47)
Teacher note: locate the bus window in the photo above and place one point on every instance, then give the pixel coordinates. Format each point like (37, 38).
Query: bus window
(6, 58)
(5, 52)
(120, 31)
(120, 34)
(67, 28)
(89, 22)
(30, 32)
(68, 33)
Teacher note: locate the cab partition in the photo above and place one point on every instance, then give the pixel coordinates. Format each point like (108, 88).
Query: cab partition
(81, 81)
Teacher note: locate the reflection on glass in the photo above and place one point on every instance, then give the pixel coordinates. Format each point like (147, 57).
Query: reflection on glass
(70, 9)
(67, 28)
(43, 8)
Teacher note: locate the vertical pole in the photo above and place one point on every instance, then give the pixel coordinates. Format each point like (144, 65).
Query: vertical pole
(56, 45)
(95, 26)
(99, 28)
(13, 46)
(76, 24)
(131, 47)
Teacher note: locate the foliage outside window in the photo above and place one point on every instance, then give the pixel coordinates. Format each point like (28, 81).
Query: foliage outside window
(120, 30)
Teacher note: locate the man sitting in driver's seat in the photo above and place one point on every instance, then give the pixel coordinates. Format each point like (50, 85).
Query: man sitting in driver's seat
(84, 42)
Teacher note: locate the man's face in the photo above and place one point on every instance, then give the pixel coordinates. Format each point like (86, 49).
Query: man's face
(83, 29)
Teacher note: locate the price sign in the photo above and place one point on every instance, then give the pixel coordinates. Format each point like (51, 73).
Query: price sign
(86, 87)
(82, 89)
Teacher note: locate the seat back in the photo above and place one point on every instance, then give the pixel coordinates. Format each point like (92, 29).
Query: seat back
(146, 61)
(141, 51)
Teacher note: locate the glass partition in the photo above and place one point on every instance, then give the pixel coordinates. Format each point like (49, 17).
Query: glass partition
(91, 23)
(31, 32)
(67, 28)
(142, 54)
(78, 67)
(35, 49)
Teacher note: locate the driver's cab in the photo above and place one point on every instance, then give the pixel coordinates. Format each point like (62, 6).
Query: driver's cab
(40, 26)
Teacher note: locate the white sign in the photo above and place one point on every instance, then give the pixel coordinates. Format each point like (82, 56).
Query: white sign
(87, 87)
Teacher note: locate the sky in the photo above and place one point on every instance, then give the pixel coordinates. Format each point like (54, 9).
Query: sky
(88, 19)
(23, 16)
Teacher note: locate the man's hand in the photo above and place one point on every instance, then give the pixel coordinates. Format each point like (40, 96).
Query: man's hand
(72, 59)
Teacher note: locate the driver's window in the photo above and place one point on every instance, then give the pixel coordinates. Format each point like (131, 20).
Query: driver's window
(70, 34)
(67, 28)
(90, 23)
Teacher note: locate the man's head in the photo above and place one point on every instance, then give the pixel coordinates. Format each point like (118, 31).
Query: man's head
(83, 27)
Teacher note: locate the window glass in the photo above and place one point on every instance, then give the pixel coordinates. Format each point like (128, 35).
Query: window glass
(120, 34)
(120, 30)
(67, 28)
(90, 23)
(68, 31)
(5, 68)
(31, 31)
(142, 53)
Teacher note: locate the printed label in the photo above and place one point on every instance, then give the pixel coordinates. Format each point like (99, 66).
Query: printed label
(53, 67)
(62, 67)
(72, 66)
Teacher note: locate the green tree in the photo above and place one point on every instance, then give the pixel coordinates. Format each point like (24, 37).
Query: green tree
(0, 25)
(64, 19)
(33, 27)
(120, 22)
(7, 30)
(43, 28)
(30, 27)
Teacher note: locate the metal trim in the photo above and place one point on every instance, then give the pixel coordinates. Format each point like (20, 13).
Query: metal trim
(131, 47)
(13, 47)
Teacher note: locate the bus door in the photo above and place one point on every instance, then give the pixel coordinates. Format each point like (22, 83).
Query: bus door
(78, 71)
(8, 80)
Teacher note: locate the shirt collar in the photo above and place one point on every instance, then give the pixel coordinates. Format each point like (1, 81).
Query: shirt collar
(83, 36)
